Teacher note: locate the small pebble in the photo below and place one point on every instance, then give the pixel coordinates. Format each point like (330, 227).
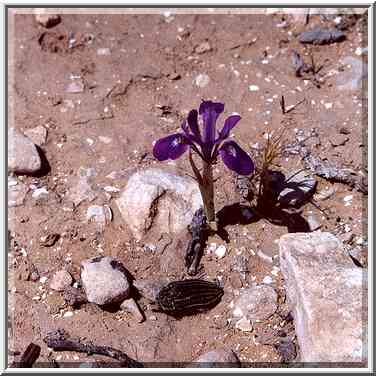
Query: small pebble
(129, 305)
(244, 325)
(348, 198)
(43, 279)
(75, 87)
(202, 48)
(60, 280)
(202, 80)
(39, 192)
(68, 314)
(109, 188)
(253, 88)
(267, 280)
(105, 140)
(47, 20)
(220, 252)
(103, 51)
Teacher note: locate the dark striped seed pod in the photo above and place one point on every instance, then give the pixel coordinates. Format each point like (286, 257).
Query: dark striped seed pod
(189, 296)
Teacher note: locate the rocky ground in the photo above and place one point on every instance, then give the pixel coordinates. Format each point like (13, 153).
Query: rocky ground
(88, 95)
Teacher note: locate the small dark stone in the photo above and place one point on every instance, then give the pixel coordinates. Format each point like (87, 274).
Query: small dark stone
(50, 240)
(344, 131)
(322, 36)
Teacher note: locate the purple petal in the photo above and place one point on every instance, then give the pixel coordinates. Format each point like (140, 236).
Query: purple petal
(193, 123)
(170, 147)
(191, 137)
(210, 111)
(230, 123)
(236, 159)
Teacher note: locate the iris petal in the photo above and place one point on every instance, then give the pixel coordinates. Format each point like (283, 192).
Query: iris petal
(210, 111)
(236, 159)
(170, 147)
(230, 123)
(193, 123)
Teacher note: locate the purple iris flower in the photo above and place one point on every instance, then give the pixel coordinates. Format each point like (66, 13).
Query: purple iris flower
(205, 142)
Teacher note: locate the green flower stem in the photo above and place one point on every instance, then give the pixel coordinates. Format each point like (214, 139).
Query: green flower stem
(207, 191)
(206, 185)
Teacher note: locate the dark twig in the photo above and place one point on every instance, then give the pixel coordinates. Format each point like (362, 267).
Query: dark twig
(30, 356)
(287, 110)
(59, 341)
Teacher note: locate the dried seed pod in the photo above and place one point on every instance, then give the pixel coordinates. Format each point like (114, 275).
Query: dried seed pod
(190, 296)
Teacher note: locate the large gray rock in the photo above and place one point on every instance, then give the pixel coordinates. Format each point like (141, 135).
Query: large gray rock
(104, 280)
(23, 156)
(256, 303)
(217, 358)
(158, 198)
(327, 295)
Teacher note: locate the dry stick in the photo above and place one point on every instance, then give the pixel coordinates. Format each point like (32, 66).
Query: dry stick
(59, 341)
(30, 356)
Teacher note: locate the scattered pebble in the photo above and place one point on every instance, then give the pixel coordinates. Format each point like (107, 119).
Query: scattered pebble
(253, 88)
(244, 325)
(60, 280)
(68, 314)
(130, 306)
(328, 105)
(39, 192)
(202, 80)
(202, 48)
(220, 252)
(43, 279)
(75, 87)
(348, 198)
(47, 20)
(267, 280)
(103, 51)
(83, 189)
(105, 140)
(111, 189)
